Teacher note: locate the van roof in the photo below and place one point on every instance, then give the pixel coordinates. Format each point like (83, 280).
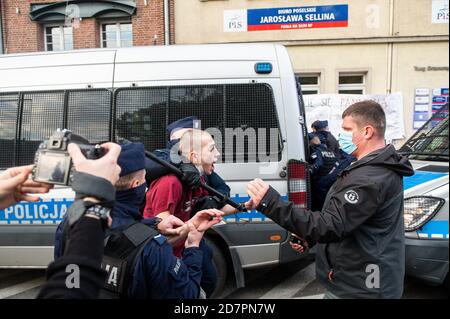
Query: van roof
(212, 52)
(103, 68)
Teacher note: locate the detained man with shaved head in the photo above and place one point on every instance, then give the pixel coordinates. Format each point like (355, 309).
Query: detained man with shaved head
(169, 196)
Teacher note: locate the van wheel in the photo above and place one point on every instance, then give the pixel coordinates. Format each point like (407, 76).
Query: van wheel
(220, 263)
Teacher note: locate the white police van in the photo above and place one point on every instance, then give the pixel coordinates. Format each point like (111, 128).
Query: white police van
(426, 204)
(246, 93)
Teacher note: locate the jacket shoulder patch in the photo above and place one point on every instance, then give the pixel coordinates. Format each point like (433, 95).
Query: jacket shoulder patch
(351, 196)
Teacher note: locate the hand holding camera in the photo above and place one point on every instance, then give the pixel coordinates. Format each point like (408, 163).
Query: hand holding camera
(63, 151)
(15, 186)
(105, 167)
(53, 163)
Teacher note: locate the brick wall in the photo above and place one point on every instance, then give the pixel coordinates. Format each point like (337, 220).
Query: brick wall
(87, 34)
(145, 30)
(20, 33)
(23, 35)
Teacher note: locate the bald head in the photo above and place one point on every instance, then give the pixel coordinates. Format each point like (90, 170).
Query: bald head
(200, 149)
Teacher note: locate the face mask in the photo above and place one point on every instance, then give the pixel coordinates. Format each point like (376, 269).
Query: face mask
(133, 196)
(346, 142)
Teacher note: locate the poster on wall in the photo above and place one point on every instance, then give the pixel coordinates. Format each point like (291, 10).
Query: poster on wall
(439, 11)
(422, 92)
(331, 106)
(440, 98)
(420, 118)
(421, 107)
(288, 18)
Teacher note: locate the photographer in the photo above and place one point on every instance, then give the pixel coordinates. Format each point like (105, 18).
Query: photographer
(93, 184)
(92, 178)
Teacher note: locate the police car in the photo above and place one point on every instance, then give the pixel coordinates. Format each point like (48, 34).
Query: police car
(426, 205)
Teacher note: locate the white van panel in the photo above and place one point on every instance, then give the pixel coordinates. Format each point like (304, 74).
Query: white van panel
(155, 71)
(208, 52)
(289, 94)
(75, 69)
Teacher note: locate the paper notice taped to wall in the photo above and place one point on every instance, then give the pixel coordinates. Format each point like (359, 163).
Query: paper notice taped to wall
(331, 106)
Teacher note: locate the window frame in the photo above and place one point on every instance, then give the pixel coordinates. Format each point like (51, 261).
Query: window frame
(118, 36)
(354, 86)
(310, 87)
(62, 38)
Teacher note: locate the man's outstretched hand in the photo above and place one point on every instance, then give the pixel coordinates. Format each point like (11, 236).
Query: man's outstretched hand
(257, 189)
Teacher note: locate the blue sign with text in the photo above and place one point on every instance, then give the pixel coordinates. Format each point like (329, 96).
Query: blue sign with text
(297, 18)
(45, 212)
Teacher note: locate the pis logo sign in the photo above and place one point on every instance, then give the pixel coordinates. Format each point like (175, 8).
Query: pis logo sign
(235, 20)
(440, 11)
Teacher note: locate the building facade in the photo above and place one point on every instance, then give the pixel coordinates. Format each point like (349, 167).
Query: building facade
(43, 25)
(348, 47)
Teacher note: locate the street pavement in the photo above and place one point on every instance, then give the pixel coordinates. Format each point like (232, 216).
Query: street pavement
(294, 280)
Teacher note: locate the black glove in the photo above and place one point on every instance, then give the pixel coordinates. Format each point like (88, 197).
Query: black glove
(191, 175)
(207, 202)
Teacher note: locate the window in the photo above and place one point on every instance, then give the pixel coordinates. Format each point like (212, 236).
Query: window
(142, 114)
(9, 108)
(85, 112)
(58, 38)
(310, 83)
(352, 83)
(115, 35)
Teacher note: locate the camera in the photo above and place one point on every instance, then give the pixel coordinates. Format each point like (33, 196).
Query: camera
(52, 162)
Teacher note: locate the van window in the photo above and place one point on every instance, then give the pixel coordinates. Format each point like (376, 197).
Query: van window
(142, 114)
(9, 110)
(89, 114)
(42, 114)
(30, 117)
(241, 117)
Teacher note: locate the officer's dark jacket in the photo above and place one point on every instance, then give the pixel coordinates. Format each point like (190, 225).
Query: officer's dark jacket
(329, 140)
(360, 229)
(322, 161)
(158, 273)
(155, 171)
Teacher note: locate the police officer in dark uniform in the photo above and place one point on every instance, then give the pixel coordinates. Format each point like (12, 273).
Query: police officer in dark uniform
(322, 162)
(320, 128)
(153, 272)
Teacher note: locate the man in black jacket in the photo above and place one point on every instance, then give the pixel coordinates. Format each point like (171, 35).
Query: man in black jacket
(360, 230)
(93, 183)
